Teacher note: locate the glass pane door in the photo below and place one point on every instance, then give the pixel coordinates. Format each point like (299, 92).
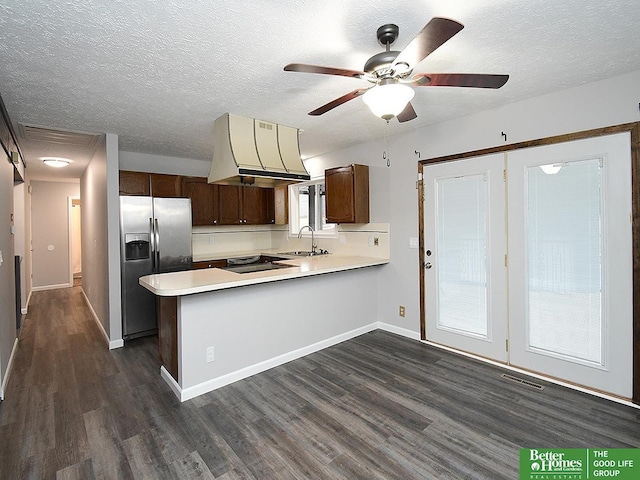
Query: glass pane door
(461, 256)
(570, 261)
(564, 249)
(465, 275)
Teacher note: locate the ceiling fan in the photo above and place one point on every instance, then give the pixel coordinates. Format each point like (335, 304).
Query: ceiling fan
(390, 72)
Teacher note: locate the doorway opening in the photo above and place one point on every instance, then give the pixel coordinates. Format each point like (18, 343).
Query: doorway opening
(75, 250)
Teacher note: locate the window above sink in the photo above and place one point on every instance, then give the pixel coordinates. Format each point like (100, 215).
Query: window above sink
(307, 207)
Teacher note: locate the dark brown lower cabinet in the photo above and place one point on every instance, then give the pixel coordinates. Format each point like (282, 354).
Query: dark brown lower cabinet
(168, 334)
(210, 264)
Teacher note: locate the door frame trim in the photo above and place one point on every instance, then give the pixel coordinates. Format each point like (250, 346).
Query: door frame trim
(634, 129)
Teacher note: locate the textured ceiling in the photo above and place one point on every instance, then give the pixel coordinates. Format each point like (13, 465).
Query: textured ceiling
(158, 73)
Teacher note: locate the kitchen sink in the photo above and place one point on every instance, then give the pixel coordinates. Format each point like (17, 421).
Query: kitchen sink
(304, 253)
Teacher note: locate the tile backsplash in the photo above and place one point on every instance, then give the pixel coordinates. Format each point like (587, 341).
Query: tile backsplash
(370, 240)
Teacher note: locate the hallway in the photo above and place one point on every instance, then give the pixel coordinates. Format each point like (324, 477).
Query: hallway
(68, 395)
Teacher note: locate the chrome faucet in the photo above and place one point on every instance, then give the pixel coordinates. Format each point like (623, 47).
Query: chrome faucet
(313, 242)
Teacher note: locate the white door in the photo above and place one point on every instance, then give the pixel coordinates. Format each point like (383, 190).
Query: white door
(567, 222)
(465, 274)
(570, 261)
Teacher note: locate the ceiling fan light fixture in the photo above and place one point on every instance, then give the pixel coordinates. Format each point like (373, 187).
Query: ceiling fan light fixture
(56, 162)
(552, 168)
(388, 101)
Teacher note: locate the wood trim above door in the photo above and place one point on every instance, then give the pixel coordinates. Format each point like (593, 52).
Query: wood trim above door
(634, 130)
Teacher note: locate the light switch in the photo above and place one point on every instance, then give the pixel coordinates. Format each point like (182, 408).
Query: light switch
(413, 242)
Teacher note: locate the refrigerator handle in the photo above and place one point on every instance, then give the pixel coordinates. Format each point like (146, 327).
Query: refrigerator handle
(152, 241)
(157, 244)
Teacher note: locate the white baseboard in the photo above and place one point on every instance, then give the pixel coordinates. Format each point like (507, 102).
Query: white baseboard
(24, 311)
(51, 287)
(166, 376)
(205, 387)
(111, 344)
(7, 372)
(522, 371)
(404, 332)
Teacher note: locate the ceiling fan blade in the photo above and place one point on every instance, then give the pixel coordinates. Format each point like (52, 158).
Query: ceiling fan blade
(304, 68)
(407, 114)
(434, 34)
(338, 101)
(477, 80)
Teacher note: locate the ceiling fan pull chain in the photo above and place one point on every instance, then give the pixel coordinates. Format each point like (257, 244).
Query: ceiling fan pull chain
(385, 154)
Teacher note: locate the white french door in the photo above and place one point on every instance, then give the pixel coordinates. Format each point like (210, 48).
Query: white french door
(565, 300)
(570, 262)
(465, 279)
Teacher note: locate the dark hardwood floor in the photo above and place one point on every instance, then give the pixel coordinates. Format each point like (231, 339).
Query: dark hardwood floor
(375, 407)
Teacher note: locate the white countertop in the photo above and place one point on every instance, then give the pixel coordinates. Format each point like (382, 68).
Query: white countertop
(211, 279)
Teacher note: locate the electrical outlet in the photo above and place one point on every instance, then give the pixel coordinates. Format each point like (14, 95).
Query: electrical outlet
(376, 241)
(401, 311)
(210, 355)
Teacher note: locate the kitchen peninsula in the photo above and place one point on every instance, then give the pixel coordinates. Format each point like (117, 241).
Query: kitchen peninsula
(219, 326)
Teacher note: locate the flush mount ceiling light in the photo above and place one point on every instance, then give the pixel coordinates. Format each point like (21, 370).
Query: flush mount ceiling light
(388, 100)
(56, 162)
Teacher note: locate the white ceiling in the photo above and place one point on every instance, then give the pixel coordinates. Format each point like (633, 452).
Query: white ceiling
(158, 73)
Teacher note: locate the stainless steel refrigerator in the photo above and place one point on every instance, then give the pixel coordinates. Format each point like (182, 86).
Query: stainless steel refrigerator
(155, 237)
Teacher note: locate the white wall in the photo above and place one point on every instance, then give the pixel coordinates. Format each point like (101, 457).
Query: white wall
(50, 227)
(100, 238)
(113, 239)
(143, 162)
(93, 194)
(609, 102)
(276, 322)
(7, 292)
(22, 238)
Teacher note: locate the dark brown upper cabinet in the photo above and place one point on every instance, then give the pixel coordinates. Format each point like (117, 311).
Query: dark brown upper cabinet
(154, 184)
(281, 204)
(204, 200)
(134, 183)
(211, 204)
(165, 185)
(347, 194)
(240, 205)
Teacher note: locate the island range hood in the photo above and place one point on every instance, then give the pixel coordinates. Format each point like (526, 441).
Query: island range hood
(247, 151)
